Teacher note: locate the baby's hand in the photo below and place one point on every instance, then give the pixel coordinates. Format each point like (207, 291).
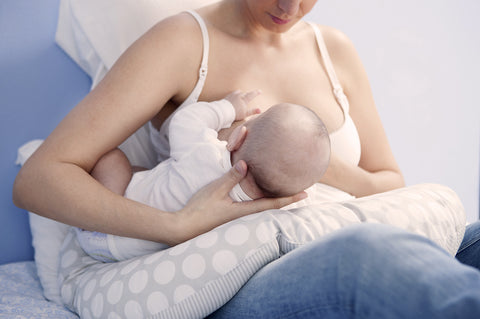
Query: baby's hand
(240, 102)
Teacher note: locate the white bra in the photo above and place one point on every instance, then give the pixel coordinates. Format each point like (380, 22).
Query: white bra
(345, 141)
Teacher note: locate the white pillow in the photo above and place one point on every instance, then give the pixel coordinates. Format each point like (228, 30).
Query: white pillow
(47, 238)
(96, 32)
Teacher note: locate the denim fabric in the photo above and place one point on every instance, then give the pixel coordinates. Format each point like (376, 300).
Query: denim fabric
(365, 271)
(469, 251)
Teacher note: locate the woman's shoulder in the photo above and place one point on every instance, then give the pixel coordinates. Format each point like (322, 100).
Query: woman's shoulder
(340, 47)
(181, 27)
(172, 38)
(335, 39)
(177, 37)
(170, 52)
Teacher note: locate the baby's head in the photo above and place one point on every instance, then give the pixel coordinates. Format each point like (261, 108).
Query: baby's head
(286, 148)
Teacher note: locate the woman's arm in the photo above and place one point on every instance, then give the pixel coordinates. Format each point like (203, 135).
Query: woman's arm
(55, 182)
(378, 170)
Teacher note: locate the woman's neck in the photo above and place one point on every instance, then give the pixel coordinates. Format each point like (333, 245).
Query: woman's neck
(235, 18)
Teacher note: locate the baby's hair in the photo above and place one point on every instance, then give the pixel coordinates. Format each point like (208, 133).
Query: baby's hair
(287, 149)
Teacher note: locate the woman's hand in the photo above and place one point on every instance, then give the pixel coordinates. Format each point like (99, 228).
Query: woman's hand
(211, 206)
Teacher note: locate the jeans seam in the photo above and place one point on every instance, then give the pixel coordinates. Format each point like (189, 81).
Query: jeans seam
(468, 245)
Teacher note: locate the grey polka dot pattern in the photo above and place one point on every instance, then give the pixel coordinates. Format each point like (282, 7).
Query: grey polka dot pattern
(194, 278)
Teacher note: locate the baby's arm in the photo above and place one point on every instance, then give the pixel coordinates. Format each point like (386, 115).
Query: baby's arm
(200, 122)
(114, 171)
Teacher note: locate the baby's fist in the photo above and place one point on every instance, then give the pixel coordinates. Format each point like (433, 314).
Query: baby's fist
(240, 102)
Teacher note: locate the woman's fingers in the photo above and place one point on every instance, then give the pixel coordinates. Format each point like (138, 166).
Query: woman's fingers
(212, 206)
(262, 204)
(224, 185)
(232, 177)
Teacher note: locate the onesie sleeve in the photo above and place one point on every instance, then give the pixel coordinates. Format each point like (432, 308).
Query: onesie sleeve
(198, 123)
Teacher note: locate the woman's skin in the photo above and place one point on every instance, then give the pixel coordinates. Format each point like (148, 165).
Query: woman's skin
(254, 44)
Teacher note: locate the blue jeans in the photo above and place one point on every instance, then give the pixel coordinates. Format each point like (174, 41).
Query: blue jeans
(365, 271)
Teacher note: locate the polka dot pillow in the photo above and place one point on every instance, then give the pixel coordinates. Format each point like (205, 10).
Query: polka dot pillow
(193, 279)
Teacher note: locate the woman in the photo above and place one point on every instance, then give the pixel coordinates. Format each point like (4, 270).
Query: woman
(251, 44)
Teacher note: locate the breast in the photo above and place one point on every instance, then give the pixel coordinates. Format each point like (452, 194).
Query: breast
(282, 75)
(345, 142)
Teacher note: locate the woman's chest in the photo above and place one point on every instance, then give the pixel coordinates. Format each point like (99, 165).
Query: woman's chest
(295, 76)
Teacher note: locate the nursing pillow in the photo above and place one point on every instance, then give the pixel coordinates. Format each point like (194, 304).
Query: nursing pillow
(213, 266)
(193, 279)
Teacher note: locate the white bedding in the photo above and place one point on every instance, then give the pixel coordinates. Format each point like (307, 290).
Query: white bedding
(21, 295)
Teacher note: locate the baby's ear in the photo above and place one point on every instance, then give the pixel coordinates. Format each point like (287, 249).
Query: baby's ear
(236, 138)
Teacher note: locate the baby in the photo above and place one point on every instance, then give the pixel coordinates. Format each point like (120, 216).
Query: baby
(286, 148)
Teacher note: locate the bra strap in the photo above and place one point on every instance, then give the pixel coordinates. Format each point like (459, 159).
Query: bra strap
(332, 75)
(202, 73)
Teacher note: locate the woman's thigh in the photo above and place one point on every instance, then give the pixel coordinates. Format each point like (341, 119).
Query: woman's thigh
(365, 271)
(469, 251)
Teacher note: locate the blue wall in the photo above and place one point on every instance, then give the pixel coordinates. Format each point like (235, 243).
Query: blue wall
(39, 84)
